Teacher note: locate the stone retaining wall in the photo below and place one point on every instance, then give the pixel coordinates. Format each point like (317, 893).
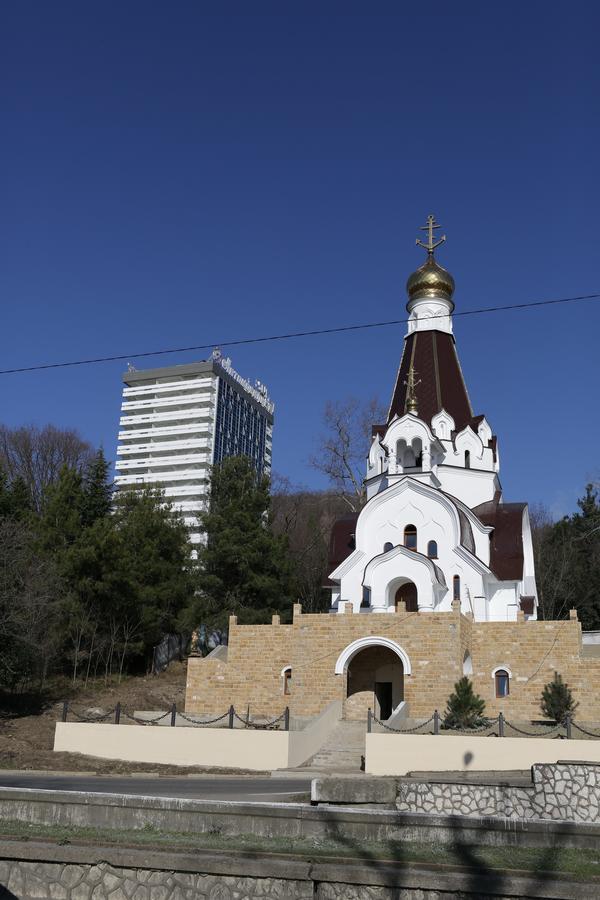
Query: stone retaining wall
(49, 872)
(567, 792)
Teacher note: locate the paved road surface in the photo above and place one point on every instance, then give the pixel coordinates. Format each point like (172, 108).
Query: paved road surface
(226, 787)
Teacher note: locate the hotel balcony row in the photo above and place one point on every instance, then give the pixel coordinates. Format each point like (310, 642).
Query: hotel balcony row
(178, 402)
(178, 417)
(170, 387)
(148, 462)
(164, 433)
(165, 446)
(194, 478)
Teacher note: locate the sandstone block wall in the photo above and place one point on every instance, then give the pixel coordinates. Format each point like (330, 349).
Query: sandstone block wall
(436, 644)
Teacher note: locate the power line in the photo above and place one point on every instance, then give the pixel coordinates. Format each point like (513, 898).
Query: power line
(290, 335)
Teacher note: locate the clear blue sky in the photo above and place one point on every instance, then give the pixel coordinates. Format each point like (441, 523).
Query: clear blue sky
(186, 172)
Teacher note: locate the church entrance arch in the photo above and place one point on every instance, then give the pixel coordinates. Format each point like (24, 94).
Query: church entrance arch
(374, 670)
(403, 591)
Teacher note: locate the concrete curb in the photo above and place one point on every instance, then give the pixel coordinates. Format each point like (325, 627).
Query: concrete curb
(294, 820)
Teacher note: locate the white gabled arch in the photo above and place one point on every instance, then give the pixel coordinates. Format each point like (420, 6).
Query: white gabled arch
(371, 641)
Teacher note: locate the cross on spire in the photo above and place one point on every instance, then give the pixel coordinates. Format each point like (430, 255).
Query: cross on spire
(431, 244)
(411, 394)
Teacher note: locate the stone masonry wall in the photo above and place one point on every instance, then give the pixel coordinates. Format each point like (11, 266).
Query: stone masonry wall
(22, 879)
(434, 642)
(567, 792)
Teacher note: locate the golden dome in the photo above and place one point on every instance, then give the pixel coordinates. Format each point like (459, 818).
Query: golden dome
(430, 280)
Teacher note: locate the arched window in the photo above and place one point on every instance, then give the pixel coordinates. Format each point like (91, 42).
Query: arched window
(467, 459)
(287, 680)
(432, 549)
(387, 546)
(410, 537)
(502, 681)
(456, 587)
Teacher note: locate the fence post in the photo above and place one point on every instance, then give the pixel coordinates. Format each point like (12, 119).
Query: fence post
(500, 724)
(286, 719)
(231, 716)
(247, 717)
(369, 725)
(65, 710)
(117, 713)
(568, 725)
(436, 722)
(173, 714)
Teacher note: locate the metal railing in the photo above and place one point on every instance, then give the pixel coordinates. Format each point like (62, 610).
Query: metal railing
(496, 727)
(119, 711)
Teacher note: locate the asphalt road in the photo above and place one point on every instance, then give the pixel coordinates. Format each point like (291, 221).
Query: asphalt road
(246, 789)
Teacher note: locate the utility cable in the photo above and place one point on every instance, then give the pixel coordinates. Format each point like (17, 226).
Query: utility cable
(290, 335)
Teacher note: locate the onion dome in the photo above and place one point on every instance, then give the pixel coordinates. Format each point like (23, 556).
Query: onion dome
(430, 280)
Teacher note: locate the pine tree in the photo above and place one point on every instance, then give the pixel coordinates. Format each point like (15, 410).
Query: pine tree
(557, 700)
(97, 489)
(465, 708)
(244, 568)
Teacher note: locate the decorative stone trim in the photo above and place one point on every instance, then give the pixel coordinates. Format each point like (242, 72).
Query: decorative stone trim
(371, 641)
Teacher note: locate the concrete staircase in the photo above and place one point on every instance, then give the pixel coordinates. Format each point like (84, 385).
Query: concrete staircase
(343, 748)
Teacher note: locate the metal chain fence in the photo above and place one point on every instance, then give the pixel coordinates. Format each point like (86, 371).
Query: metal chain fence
(193, 722)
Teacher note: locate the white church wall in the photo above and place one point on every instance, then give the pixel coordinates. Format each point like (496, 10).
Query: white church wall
(504, 602)
(471, 486)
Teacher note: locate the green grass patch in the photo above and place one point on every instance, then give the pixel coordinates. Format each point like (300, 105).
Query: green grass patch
(539, 863)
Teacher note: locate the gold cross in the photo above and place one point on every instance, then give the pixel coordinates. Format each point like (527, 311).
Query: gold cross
(431, 227)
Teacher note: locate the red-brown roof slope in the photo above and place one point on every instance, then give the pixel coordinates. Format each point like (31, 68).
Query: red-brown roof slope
(441, 385)
(506, 541)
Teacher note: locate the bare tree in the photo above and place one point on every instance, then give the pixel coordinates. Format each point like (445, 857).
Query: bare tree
(29, 594)
(557, 592)
(306, 518)
(344, 445)
(36, 455)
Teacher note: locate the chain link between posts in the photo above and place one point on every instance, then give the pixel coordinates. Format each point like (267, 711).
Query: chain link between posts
(249, 724)
(548, 731)
(585, 731)
(403, 730)
(204, 721)
(144, 721)
(92, 719)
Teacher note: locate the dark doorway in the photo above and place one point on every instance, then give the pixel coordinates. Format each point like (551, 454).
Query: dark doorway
(408, 593)
(383, 695)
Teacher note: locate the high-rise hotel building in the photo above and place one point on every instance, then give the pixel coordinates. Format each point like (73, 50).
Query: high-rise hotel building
(179, 420)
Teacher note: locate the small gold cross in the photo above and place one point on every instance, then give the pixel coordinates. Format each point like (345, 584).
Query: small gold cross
(431, 227)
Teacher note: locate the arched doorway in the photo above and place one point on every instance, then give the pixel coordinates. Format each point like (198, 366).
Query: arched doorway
(375, 679)
(407, 593)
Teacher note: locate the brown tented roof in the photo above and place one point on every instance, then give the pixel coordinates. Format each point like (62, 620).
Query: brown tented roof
(432, 355)
(506, 540)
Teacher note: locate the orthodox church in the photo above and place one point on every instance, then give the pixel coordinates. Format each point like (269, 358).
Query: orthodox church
(435, 528)
(432, 580)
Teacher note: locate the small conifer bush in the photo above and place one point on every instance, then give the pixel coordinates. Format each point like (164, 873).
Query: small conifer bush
(465, 708)
(557, 700)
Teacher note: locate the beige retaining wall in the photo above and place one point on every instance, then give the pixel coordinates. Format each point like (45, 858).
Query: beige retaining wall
(228, 748)
(392, 754)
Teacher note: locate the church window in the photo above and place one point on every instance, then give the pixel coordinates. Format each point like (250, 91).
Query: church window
(432, 550)
(287, 681)
(502, 680)
(410, 537)
(456, 587)
(366, 598)
(387, 546)
(467, 459)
